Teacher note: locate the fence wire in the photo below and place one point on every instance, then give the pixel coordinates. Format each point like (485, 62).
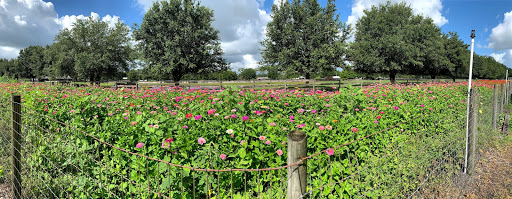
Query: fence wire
(63, 161)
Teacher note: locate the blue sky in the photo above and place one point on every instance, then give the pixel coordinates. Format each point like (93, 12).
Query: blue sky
(242, 22)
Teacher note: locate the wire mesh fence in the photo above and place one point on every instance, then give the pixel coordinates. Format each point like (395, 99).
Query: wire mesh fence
(60, 160)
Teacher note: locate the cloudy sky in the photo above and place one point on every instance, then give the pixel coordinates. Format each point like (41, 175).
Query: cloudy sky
(241, 22)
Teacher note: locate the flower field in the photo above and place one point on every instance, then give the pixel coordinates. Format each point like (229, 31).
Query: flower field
(218, 129)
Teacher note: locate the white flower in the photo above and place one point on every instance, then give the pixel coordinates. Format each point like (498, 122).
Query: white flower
(229, 131)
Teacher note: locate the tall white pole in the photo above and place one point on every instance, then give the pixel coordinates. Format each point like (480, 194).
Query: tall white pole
(469, 95)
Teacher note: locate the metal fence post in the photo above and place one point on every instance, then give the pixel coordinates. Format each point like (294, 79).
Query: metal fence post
(16, 149)
(297, 149)
(473, 130)
(495, 107)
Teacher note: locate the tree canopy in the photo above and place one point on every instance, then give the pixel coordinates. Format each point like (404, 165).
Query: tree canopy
(176, 37)
(305, 38)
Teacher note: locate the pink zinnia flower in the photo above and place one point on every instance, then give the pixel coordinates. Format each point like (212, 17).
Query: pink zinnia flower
(201, 141)
(321, 128)
(233, 116)
(244, 118)
(222, 156)
(165, 144)
(279, 152)
(241, 142)
(272, 124)
(357, 109)
(262, 137)
(267, 142)
(139, 145)
(197, 117)
(396, 107)
(378, 117)
(375, 121)
(382, 112)
(328, 127)
(330, 151)
(211, 111)
(134, 123)
(301, 111)
(355, 130)
(291, 117)
(185, 127)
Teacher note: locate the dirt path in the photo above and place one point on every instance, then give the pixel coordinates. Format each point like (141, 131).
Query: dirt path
(5, 191)
(492, 177)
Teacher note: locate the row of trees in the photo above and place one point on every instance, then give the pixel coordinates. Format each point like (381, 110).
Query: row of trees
(177, 41)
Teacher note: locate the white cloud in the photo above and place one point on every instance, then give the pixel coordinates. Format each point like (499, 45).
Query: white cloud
(504, 57)
(501, 35)
(498, 56)
(432, 9)
(9, 52)
(241, 25)
(32, 22)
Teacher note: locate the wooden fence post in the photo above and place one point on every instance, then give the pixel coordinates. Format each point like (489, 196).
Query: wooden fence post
(253, 86)
(495, 107)
(285, 86)
(297, 149)
(220, 84)
(115, 85)
(472, 130)
(16, 147)
(502, 98)
(314, 84)
(339, 84)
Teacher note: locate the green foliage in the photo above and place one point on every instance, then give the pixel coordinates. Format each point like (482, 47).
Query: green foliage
(7, 67)
(176, 37)
(386, 165)
(31, 63)
(348, 74)
(247, 73)
(134, 75)
(458, 55)
(304, 38)
(91, 50)
(386, 40)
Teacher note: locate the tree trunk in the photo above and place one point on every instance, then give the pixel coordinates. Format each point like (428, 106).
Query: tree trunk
(308, 75)
(392, 77)
(176, 78)
(433, 77)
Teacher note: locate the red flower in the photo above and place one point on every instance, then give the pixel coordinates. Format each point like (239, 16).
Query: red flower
(189, 115)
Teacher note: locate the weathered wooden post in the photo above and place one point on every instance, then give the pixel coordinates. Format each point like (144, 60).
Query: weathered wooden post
(220, 82)
(339, 84)
(495, 107)
(253, 86)
(16, 147)
(285, 86)
(115, 85)
(473, 130)
(314, 84)
(502, 98)
(297, 149)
